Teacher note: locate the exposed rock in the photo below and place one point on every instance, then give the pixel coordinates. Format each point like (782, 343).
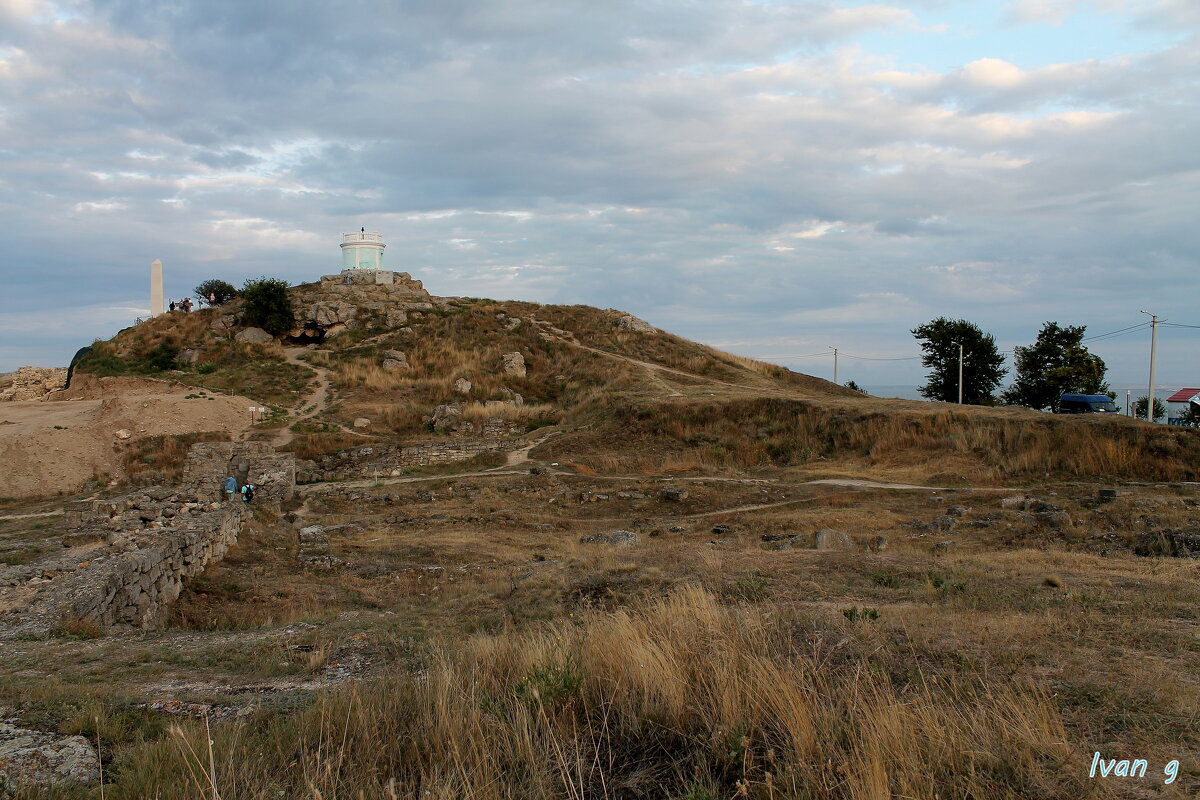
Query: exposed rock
(395, 318)
(362, 422)
(830, 539)
(1053, 519)
(674, 495)
(188, 356)
(394, 360)
(944, 523)
(723, 530)
(33, 383)
(957, 511)
(628, 322)
(1014, 503)
(1183, 543)
(31, 758)
(253, 336)
(122, 434)
(511, 396)
(942, 548)
(616, 538)
(877, 544)
(514, 365)
(447, 418)
(326, 315)
(462, 386)
(1106, 495)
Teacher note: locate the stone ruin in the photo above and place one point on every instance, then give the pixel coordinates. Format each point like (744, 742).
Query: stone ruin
(125, 558)
(31, 383)
(210, 463)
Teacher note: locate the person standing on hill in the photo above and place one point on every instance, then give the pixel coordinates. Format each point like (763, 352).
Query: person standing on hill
(172, 306)
(248, 493)
(230, 487)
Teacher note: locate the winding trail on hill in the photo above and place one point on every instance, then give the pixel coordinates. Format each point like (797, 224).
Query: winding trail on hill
(318, 398)
(653, 370)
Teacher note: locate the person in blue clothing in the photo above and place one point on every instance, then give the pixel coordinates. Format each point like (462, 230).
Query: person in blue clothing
(248, 493)
(231, 487)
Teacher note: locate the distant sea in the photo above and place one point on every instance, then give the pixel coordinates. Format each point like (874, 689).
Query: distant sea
(901, 392)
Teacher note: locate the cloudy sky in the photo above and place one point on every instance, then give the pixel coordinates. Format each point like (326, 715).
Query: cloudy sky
(775, 178)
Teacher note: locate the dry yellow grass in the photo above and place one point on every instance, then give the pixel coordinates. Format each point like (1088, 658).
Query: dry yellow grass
(689, 698)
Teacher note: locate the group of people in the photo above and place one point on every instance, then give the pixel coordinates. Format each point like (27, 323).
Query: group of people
(184, 305)
(232, 490)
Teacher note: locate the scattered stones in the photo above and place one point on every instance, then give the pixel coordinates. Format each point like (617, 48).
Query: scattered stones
(628, 322)
(514, 365)
(616, 538)
(1106, 495)
(630, 495)
(446, 417)
(877, 544)
(178, 708)
(513, 397)
(462, 386)
(30, 758)
(1014, 503)
(957, 511)
(674, 495)
(830, 539)
(253, 336)
(723, 530)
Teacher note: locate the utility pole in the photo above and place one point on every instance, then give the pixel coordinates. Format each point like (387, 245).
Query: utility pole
(1150, 416)
(835, 380)
(1128, 393)
(960, 365)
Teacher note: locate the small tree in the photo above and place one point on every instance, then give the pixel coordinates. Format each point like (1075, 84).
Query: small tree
(1056, 363)
(1139, 408)
(854, 386)
(983, 364)
(266, 305)
(215, 292)
(1191, 417)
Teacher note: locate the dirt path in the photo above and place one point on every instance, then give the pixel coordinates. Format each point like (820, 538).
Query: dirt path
(317, 400)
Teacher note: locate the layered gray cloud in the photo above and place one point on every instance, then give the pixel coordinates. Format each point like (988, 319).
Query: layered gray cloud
(743, 173)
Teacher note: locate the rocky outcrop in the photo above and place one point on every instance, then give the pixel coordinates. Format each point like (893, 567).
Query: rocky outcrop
(830, 539)
(32, 383)
(34, 758)
(394, 360)
(462, 386)
(353, 300)
(514, 365)
(253, 336)
(628, 322)
(614, 539)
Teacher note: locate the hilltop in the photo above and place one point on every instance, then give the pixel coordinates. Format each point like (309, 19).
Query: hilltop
(373, 359)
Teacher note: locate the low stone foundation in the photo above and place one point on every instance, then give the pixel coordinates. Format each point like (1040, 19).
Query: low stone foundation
(366, 462)
(210, 463)
(124, 564)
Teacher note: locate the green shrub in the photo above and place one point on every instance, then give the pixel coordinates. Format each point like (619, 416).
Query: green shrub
(266, 305)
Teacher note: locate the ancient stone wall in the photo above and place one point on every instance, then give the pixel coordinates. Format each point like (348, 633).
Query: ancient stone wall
(124, 564)
(366, 462)
(210, 463)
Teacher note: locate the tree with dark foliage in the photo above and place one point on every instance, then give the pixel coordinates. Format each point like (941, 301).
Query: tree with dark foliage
(215, 292)
(1057, 362)
(266, 305)
(983, 364)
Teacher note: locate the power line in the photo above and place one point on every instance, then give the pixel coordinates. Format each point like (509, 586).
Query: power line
(1178, 325)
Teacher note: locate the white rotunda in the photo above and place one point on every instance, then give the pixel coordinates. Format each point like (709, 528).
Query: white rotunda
(362, 250)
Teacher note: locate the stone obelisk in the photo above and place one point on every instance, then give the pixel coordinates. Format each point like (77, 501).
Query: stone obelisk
(156, 288)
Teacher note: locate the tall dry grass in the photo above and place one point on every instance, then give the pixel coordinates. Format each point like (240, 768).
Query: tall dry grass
(687, 698)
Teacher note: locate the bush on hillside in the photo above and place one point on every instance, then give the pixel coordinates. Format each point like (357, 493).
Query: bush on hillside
(266, 305)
